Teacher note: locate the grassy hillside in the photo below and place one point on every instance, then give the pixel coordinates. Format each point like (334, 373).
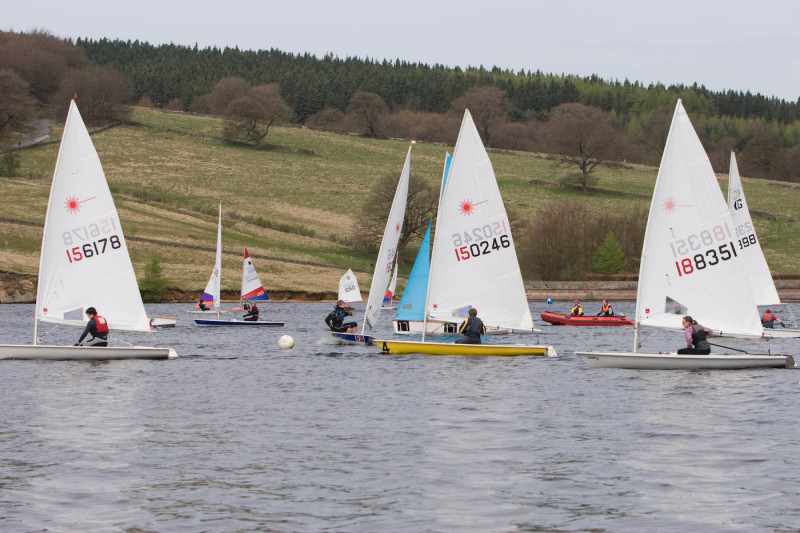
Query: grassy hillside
(296, 198)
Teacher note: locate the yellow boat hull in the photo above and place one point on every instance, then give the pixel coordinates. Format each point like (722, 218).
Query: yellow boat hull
(390, 347)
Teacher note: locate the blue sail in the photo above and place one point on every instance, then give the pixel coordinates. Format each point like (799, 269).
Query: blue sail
(412, 304)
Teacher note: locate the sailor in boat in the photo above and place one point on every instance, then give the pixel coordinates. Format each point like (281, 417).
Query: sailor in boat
(252, 313)
(577, 310)
(606, 309)
(769, 320)
(696, 335)
(97, 327)
(472, 328)
(202, 305)
(335, 319)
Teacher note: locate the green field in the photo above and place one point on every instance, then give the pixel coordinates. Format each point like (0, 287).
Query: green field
(296, 198)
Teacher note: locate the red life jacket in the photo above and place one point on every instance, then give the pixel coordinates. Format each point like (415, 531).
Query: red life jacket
(606, 308)
(101, 324)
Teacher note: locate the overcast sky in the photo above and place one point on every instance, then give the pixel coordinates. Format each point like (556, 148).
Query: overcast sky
(720, 44)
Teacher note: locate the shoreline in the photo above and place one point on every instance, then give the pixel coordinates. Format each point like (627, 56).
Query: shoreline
(21, 288)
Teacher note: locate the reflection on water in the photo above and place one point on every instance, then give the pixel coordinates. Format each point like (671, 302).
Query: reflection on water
(237, 435)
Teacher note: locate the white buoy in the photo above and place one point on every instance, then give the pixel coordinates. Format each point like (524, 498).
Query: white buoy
(286, 342)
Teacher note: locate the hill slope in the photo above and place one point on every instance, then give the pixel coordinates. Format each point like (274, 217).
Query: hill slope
(295, 200)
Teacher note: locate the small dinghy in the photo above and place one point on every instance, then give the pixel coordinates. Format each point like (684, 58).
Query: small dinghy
(569, 320)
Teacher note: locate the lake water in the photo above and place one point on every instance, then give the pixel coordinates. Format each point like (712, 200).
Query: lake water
(237, 435)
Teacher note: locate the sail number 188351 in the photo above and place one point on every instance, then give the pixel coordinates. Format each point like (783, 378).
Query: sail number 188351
(710, 257)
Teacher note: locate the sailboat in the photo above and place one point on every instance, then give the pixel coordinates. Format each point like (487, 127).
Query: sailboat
(473, 262)
(388, 298)
(386, 257)
(210, 296)
(761, 283)
(348, 288)
(211, 293)
(692, 264)
(84, 259)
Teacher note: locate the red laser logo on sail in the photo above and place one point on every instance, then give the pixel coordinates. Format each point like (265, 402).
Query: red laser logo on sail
(73, 205)
(467, 207)
(671, 205)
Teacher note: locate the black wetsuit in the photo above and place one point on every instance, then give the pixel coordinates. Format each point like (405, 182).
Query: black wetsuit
(98, 339)
(473, 328)
(335, 320)
(252, 314)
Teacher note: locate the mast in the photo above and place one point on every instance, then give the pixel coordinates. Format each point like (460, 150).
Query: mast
(219, 259)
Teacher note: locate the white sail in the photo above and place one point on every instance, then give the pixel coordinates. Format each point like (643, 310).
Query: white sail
(84, 261)
(764, 291)
(474, 263)
(252, 289)
(348, 287)
(388, 249)
(211, 294)
(692, 261)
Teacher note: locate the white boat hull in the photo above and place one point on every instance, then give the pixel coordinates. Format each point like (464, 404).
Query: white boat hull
(781, 333)
(674, 361)
(83, 353)
(438, 327)
(163, 321)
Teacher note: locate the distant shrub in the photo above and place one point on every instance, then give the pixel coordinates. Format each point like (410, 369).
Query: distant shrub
(153, 284)
(561, 240)
(609, 258)
(10, 163)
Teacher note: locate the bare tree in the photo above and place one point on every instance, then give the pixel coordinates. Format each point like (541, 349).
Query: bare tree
(764, 157)
(420, 209)
(654, 131)
(249, 117)
(102, 94)
(17, 105)
(40, 59)
(226, 91)
(328, 119)
(487, 104)
(367, 108)
(583, 137)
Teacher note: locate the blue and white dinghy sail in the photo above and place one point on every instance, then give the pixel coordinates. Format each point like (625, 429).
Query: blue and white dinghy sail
(84, 260)
(691, 264)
